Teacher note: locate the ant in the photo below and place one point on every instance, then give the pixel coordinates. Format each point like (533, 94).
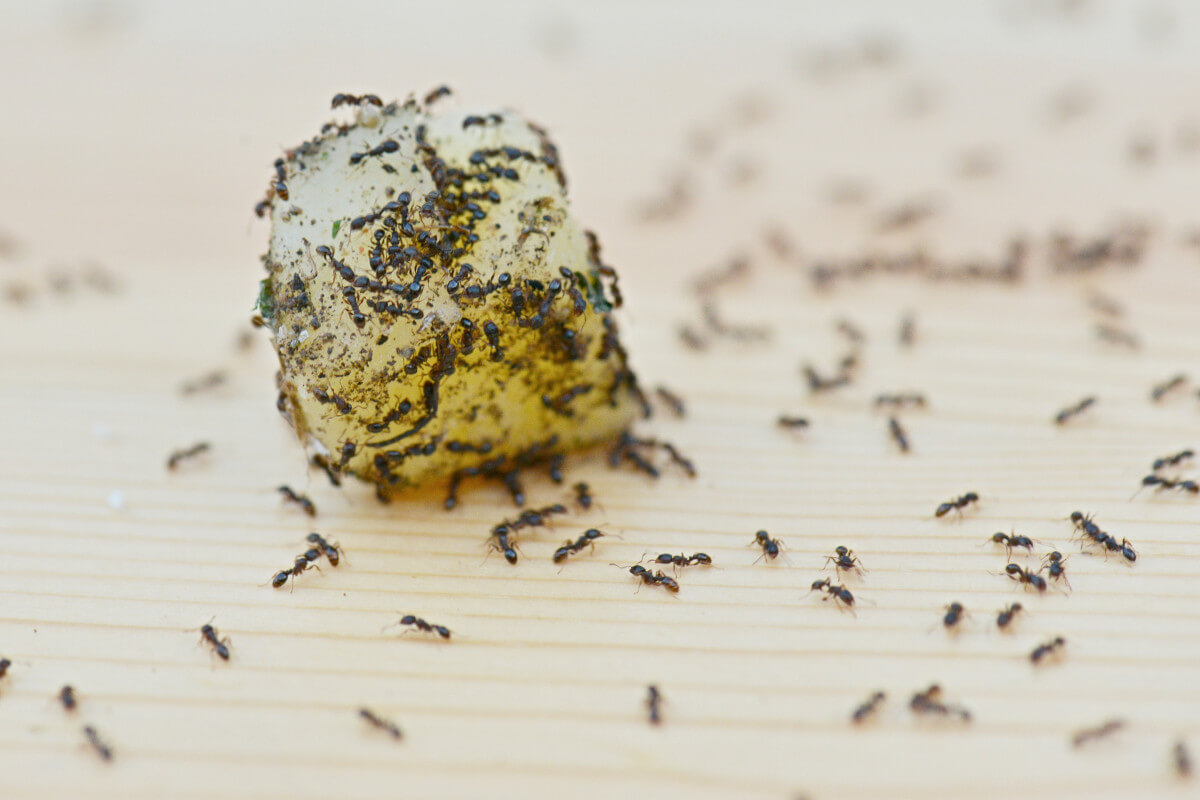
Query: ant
(421, 625)
(103, 750)
(436, 94)
(657, 577)
(499, 541)
(382, 724)
(957, 504)
(190, 452)
(929, 702)
(1055, 564)
(898, 434)
(908, 331)
(674, 401)
(589, 537)
(1168, 483)
(342, 98)
(954, 614)
(654, 704)
(840, 594)
(786, 421)
(1115, 335)
(583, 496)
(1044, 650)
(818, 383)
(900, 400)
(4, 665)
(1012, 540)
(1066, 414)
(66, 696)
(1092, 531)
(302, 500)
(1005, 617)
(682, 560)
(209, 634)
(1171, 460)
(1183, 762)
(1174, 382)
(868, 708)
(1020, 575)
(845, 559)
(302, 563)
(1088, 734)
(771, 548)
(328, 549)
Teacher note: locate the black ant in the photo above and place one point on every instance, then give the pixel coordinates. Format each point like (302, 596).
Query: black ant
(1062, 417)
(190, 452)
(1012, 540)
(793, 423)
(221, 646)
(655, 578)
(4, 665)
(1043, 650)
(673, 401)
(1020, 575)
(1167, 483)
(898, 434)
(421, 625)
(589, 537)
(1055, 564)
(330, 550)
(840, 594)
(1183, 762)
(683, 560)
(819, 383)
(342, 98)
(499, 541)
(103, 750)
(654, 704)
(66, 696)
(845, 559)
(1092, 531)
(771, 548)
(954, 614)
(1006, 616)
(583, 496)
(929, 702)
(1088, 734)
(301, 564)
(868, 708)
(382, 724)
(1171, 460)
(958, 504)
(301, 500)
(436, 94)
(1160, 390)
(900, 400)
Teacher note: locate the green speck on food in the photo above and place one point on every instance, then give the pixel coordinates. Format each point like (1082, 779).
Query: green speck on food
(266, 299)
(337, 226)
(595, 292)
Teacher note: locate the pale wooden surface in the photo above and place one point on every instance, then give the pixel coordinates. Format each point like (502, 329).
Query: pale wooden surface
(141, 140)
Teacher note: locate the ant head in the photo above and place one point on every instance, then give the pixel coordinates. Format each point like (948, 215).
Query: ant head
(841, 550)
(820, 584)
(408, 619)
(999, 537)
(1076, 516)
(761, 536)
(1013, 569)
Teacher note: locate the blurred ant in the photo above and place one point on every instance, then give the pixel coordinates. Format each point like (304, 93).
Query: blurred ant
(382, 724)
(1167, 483)
(103, 750)
(900, 400)
(330, 550)
(1171, 460)
(840, 594)
(954, 615)
(1062, 417)
(301, 564)
(301, 500)
(66, 696)
(191, 452)
(342, 98)
(1160, 390)
(1006, 616)
(1020, 575)
(654, 704)
(436, 94)
(220, 646)
(583, 496)
(898, 434)
(929, 702)
(868, 708)
(1088, 734)
(958, 504)
(1043, 650)
(794, 423)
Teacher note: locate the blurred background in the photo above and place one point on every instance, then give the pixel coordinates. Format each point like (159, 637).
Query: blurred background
(801, 138)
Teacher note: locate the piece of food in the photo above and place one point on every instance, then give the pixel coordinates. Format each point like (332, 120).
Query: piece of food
(434, 305)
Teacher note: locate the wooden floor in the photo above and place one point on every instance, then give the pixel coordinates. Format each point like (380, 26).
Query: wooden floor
(137, 140)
